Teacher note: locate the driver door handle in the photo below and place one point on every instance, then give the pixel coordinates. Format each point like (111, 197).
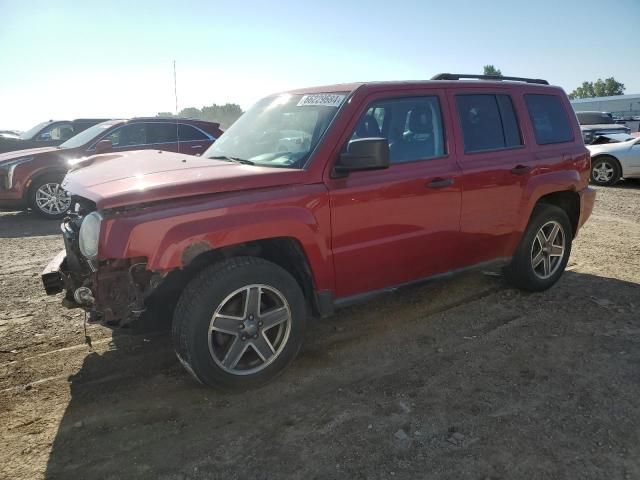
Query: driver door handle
(440, 183)
(521, 169)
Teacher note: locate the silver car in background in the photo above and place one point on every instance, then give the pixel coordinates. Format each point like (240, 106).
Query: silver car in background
(613, 157)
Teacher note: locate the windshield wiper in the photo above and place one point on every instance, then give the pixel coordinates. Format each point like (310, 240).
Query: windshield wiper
(232, 159)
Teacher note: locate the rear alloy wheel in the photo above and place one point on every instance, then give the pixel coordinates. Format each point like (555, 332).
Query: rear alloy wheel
(239, 323)
(544, 250)
(547, 249)
(48, 199)
(605, 171)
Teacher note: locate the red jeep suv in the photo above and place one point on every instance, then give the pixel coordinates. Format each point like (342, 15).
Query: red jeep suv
(31, 178)
(320, 197)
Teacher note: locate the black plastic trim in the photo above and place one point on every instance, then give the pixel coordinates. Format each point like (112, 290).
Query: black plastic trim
(458, 76)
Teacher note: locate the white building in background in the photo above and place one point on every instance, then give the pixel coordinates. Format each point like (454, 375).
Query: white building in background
(617, 104)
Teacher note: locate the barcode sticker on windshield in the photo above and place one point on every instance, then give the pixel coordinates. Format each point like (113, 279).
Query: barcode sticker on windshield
(321, 99)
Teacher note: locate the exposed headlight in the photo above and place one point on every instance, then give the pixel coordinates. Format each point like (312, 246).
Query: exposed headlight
(90, 234)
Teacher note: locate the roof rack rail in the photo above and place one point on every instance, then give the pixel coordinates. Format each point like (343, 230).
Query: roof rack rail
(458, 76)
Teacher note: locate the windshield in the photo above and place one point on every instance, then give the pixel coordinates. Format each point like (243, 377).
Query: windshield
(278, 131)
(29, 134)
(87, 135)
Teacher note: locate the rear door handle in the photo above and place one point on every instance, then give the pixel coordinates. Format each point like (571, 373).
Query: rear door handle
(196, 146)
(521, 169)
(440, 183)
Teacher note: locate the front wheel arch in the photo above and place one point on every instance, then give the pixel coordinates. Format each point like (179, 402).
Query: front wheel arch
(37, 177)
(56, 175)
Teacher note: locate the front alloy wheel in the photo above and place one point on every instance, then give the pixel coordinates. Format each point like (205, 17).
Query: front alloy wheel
(249, 329)
(48, 199)
(239, 323)
(605, 171)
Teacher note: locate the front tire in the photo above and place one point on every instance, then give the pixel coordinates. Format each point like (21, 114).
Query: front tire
(544, 250)
(605, 171)
(47, 198)
(239, 323)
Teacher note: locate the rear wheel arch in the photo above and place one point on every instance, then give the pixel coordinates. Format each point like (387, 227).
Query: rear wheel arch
(567, 200)
(606, 155)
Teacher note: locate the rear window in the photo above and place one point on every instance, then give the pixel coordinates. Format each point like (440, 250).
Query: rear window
(549, 119)
(488, 122)
(594, 118)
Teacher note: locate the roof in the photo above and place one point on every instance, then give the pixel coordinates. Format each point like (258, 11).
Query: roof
(170, 119)
(403, 84)
(604, 99)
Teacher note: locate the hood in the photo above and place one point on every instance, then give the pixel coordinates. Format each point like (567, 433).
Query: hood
(29, 152)
(610, 147)
(604, 126)
(143, 176)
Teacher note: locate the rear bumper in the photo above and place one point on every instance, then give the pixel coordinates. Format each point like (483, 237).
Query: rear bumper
(587, 200)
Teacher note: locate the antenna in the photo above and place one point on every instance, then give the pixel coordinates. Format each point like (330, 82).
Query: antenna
(175, 93)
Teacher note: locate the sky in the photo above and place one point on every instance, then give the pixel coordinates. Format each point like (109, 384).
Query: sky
(111, 58)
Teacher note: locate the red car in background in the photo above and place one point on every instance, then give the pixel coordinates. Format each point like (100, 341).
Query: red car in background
(31, 178)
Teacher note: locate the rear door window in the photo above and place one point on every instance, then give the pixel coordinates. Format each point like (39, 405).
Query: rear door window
(162, 133)
(188, 133)
(128, 136)
(488, 122)
(549, 119)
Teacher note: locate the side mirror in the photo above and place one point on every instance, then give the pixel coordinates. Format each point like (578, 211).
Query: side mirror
(44, 136)
(363, 154)
(103, 146)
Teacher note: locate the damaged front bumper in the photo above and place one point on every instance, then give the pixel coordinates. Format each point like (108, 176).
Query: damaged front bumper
(110, 291)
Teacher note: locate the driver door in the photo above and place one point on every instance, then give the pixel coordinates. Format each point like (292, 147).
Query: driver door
(400, 224)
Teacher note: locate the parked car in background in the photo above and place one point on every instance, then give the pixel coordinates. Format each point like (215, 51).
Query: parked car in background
(321, 197)
(593, 124)
(48, 134)
(9, 134)
(613, 157)
(31, 178)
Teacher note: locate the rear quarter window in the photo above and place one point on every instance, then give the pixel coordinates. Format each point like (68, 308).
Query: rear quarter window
(549, 119)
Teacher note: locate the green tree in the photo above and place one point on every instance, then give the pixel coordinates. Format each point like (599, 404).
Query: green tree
(600, 88)
(225, 114)
(491, 70)
(191, 112)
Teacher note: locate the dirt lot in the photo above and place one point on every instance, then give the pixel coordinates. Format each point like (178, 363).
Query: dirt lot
(467, 379)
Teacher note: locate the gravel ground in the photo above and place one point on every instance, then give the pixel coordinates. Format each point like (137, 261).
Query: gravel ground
(467, 379)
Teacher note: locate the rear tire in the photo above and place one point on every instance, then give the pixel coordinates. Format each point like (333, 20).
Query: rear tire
(47, 198)
(544, 250)
(605, 171)
(239, 323)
